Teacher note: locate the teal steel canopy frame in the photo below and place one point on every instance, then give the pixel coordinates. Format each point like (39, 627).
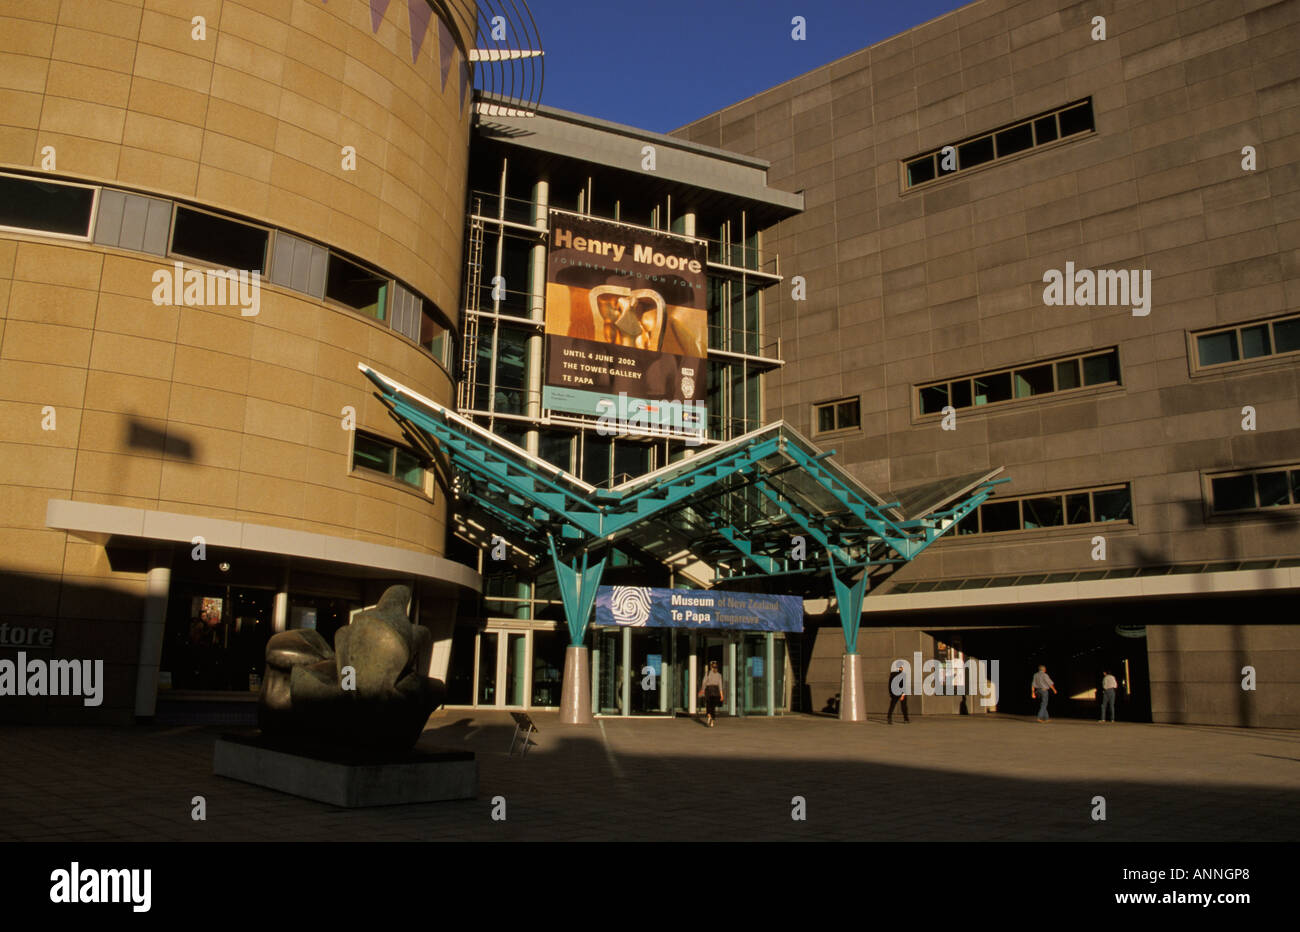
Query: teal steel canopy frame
(743, 507)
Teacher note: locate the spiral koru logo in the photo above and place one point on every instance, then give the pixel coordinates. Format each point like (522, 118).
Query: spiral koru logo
(630, 605)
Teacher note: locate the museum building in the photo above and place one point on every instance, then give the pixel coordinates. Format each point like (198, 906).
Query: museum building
(953, 176)
(416, 385)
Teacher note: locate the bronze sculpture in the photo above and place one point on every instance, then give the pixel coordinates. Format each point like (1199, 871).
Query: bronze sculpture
(370, 692)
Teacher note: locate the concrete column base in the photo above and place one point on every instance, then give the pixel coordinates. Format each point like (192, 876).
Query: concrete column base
(575, 691)
(853, 697)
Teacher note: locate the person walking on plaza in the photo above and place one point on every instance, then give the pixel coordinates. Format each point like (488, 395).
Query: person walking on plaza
(1108, 686)
(896, 698)
(711, 690)
(1042, 683)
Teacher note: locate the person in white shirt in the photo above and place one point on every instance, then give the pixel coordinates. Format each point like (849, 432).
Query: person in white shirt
(1108, 686)
(1042, 683)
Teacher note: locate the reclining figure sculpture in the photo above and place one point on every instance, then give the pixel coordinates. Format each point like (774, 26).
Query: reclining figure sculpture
(369, 693)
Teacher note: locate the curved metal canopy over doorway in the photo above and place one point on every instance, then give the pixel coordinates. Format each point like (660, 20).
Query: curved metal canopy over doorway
(737, 507)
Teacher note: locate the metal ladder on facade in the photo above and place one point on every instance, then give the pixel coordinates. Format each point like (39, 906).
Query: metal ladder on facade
(469, 336)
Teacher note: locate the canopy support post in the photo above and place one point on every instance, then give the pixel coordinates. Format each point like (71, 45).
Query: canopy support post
(848, 599)
(578, 591)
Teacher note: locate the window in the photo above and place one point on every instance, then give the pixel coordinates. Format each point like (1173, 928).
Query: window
(1273, 487)
(1053, 510)
(1101, 369)
(1035, 381)
(1003, 142)
(382, 456)
(1017, 139)
(224, 243)
(1248, 341)
(1076, 119)
(357, 287)
(844, 414)
(1030, 381)
(44, 206)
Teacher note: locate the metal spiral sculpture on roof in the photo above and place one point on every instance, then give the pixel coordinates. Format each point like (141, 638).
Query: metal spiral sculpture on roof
(507, 59)
(495, 43)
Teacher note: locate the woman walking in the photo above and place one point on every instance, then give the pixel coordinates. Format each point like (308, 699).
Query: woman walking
(711, 690)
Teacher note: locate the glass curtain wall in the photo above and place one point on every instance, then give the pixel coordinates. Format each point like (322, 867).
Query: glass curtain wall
(501, 366)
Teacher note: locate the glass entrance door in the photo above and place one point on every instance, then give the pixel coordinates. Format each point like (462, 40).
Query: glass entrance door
(717, 648)
(754, 672)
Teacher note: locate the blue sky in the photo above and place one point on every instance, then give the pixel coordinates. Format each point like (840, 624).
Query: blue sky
(660, 64)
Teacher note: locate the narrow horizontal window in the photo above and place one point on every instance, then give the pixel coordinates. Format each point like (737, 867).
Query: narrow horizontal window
(46, 207)
(225, 243)
(1257, 340)
(1047, 511)
(999, 143)
(1028, 382)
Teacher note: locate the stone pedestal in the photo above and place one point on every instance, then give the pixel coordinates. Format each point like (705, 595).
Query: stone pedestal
(420, 775)
(853, 697)
(575, 693)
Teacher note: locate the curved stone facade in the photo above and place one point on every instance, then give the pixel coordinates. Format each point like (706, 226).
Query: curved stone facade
(253, 118)
(108, 398)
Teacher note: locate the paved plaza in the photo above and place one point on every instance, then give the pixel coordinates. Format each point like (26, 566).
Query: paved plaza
(984, 777)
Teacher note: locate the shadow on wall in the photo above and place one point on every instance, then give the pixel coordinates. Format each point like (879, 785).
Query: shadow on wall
(141, 436)
(1193, 515)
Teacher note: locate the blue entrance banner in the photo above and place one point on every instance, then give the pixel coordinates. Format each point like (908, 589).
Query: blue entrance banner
(644, 607)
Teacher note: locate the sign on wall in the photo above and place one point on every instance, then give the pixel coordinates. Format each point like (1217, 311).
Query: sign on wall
(626, 325)
(644, 607)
